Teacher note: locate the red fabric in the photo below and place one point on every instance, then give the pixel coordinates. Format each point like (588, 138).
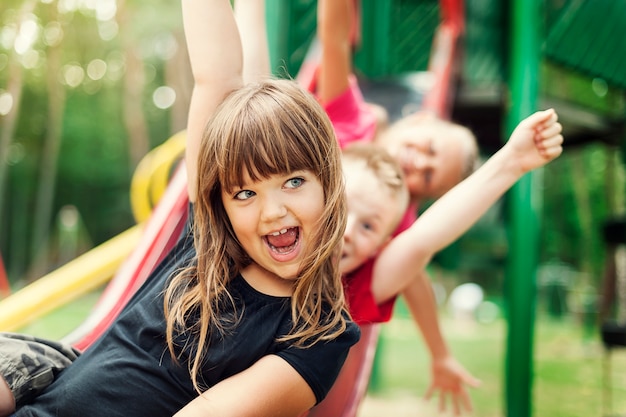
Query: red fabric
(358, 290)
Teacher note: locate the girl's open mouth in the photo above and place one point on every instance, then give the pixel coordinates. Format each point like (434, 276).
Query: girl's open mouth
(283, 241)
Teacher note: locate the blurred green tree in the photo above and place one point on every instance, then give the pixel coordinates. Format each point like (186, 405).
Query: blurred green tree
(86, 89)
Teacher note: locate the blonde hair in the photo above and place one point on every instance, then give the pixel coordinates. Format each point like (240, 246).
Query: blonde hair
(385, 168)
(267, 128)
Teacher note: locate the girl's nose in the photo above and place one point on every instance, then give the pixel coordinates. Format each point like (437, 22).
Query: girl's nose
(273, 208)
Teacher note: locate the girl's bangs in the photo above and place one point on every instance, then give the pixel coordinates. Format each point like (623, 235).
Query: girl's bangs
(263, 152)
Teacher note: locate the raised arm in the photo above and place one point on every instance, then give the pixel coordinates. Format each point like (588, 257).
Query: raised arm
(250, 16)
(536, 141)
(216, 60)
(334, 25)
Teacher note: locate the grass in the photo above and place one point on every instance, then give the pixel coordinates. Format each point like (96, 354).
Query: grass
(568, 365)
(64, 319)
(568, 369)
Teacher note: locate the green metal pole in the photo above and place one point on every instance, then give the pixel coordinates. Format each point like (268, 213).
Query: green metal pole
(524, 222)
(277, 14)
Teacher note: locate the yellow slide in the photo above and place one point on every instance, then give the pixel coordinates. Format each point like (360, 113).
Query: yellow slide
(68, 282)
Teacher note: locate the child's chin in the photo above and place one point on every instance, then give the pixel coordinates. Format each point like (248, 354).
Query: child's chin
(346, 267)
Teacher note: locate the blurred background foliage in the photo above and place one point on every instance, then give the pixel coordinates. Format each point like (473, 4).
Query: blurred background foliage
(87, 87)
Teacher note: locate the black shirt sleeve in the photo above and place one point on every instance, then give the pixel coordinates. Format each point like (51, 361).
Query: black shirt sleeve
(320, 364)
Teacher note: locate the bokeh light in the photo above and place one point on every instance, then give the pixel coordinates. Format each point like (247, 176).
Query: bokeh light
(73, 75)
(163, 97)
(6, 103)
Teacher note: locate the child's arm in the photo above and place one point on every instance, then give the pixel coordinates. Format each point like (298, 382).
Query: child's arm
(270, 387)
(216, 60)
(250, 16)
(536, 141)
(334, 23)
(449, 377)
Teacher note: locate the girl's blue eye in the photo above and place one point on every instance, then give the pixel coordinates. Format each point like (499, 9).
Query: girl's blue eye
(244, 195)
(295, 182)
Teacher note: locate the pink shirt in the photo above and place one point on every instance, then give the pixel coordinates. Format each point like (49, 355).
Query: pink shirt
(352, 118)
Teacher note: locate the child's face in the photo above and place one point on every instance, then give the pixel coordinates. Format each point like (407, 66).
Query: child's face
(431, 162)
(373, 213)
(274, 220)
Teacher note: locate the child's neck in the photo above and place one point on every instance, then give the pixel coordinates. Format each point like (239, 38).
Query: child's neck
(267, 282)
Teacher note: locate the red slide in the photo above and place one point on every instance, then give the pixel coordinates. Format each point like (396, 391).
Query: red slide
(161, 231)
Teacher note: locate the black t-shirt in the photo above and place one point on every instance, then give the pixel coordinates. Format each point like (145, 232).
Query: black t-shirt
(129, 371)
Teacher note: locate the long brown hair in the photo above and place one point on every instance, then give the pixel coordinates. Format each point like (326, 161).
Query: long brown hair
(272, 127)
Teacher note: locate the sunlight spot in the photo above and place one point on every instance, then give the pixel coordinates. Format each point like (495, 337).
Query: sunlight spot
(165, 46)
(68, 216)
(465, 299)
(67, 6)
(31, 59)
(163, 97)
(105, 10)
(53, 34)
(6, 103)
(73, 75)
(108, 30)
(96, 69)
(27, 35)
(7, 36)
